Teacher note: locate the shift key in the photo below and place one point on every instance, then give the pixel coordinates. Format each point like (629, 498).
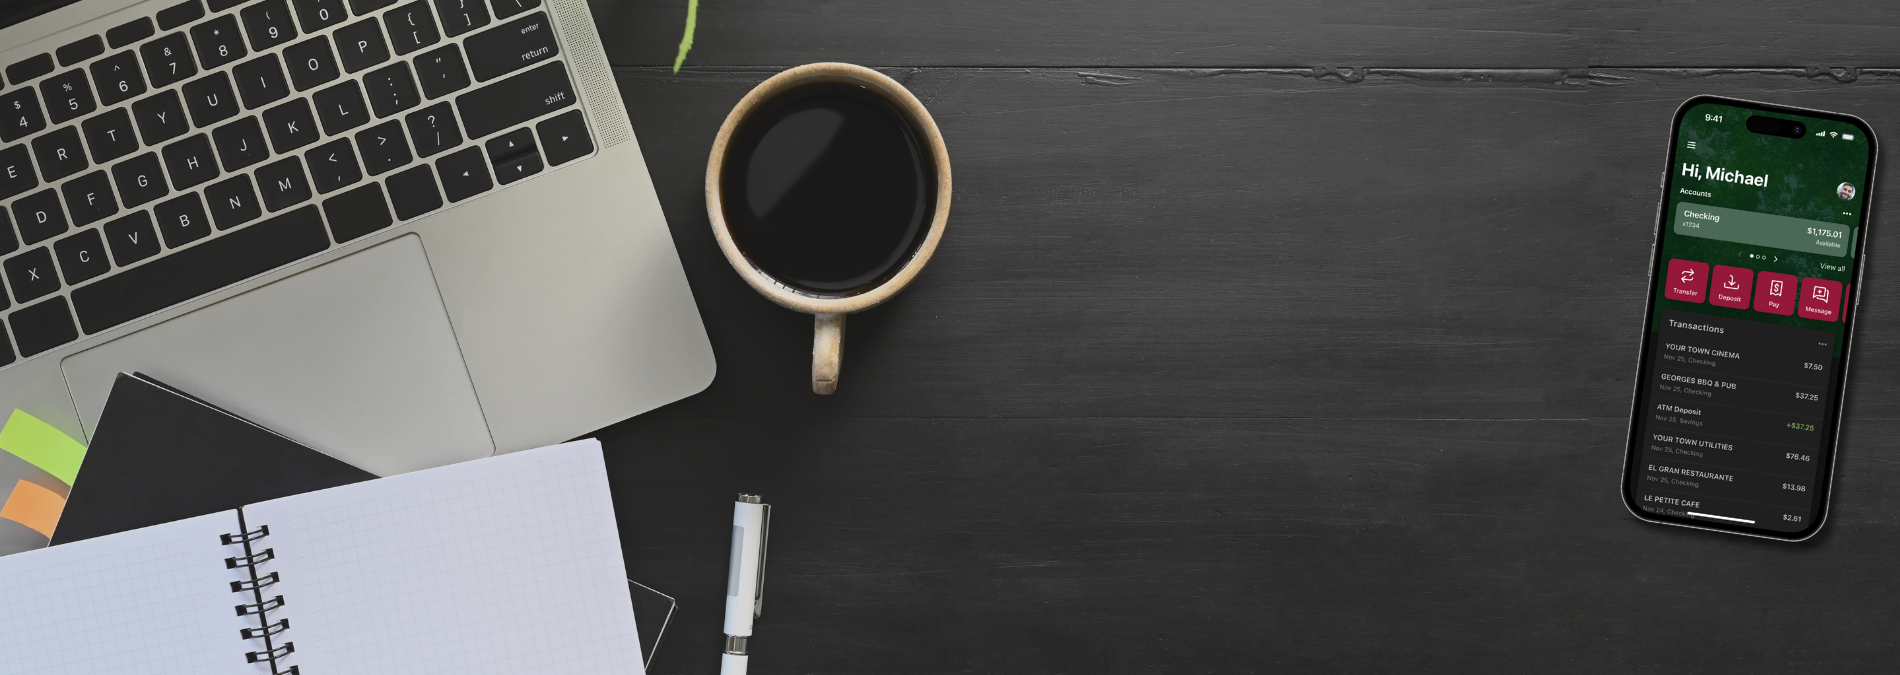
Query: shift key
(511, 46)
(517, 99)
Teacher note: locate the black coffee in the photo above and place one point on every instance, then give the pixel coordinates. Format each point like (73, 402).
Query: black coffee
(829, 189)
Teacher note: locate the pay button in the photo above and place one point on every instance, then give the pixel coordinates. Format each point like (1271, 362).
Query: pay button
(1688, 280)
(1775, 293)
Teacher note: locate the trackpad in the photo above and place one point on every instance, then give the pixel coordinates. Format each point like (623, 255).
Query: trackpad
(355, 358)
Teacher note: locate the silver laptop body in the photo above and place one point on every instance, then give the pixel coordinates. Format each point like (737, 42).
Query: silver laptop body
(345, 311)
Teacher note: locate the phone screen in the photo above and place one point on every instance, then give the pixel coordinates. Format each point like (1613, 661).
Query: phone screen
(1751, 307)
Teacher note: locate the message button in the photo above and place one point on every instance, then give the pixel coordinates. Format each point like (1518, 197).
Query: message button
(1820, 299)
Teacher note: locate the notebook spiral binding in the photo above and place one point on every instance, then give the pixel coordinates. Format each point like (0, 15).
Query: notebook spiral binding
(268, 631)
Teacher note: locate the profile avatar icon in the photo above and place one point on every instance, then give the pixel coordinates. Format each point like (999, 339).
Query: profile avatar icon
(1845, 191)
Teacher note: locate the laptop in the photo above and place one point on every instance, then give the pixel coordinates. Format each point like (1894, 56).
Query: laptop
(406, 233)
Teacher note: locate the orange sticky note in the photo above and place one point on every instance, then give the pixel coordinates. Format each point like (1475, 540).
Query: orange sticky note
(34, 506)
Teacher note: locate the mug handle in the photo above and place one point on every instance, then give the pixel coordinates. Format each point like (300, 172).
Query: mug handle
(827, 352)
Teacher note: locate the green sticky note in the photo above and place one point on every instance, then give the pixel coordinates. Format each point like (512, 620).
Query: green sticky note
(43, 446)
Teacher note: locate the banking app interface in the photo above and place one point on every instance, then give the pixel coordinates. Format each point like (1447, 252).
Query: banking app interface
(1745, 352)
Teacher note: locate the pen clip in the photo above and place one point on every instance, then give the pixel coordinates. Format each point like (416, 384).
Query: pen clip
(765, 536)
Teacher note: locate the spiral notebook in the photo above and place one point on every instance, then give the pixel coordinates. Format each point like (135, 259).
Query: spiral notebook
(508, 564)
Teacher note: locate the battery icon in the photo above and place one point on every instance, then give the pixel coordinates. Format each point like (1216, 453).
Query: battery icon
(1847, 137)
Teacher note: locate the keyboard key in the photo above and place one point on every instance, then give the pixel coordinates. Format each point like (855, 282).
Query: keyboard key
(43, 326)
(362, 7)
(118, 78)
(411, 27)
(512, 46)
(240, 144)
(564, 138)
(518, 167)
(20, 115)
(316, 15)
(332, 166)
(341, 108)
(221, 5)
(31, 275)
(80, 50)
(179, 14)
(130, 32)
(361, 45)
(217, 42)
(160, 117)
(282, 184)
(508, 8)
(82, 257)
(461, 16)
(433, 129)
(519, 98)
(291, 126)
(68, 96)
(510, 145)
(391, 89)
(464, 174)
(8, 244)
(6, 345)
(260, 81)
(182, 220)
(413, 192)
(166, 60)
(16, 172)
(39, 216)
(110, 135)
(383, 148)
(241, 254)
(210, 99)
(29, 68)
(131, 238)
(190, 162)
(268, 24)
(60, 154)
(89, 198)
(140, 180)
(441, 71)
(311, 63)
(232, 202)
(357, 212)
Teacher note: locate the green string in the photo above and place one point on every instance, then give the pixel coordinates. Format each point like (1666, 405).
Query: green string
(686, 41)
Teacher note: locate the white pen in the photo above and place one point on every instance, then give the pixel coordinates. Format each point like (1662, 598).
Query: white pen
(745, 579)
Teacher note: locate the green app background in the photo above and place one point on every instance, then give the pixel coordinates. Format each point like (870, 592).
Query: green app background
(1802, 176)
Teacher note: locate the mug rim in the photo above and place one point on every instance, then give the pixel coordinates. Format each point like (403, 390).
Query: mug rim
(891, 91)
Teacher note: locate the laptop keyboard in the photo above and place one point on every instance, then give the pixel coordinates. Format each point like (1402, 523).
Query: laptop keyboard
(173, 156)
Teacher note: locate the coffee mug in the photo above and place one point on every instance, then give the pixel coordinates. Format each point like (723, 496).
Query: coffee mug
(828, 188)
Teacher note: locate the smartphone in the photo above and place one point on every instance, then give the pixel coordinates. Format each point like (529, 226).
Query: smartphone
(1753, 281)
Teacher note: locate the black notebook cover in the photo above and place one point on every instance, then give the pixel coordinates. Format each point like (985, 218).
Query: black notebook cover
(161, 455)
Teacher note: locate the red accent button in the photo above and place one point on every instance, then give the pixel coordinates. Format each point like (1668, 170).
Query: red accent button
(1729, 286)
(1820, 299)
(1687, 280)
(1774, 293)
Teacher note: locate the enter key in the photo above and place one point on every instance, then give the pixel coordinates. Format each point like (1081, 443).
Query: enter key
(511, 46)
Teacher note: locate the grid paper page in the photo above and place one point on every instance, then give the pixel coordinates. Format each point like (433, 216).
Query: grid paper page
(509, 564)
(152, 601)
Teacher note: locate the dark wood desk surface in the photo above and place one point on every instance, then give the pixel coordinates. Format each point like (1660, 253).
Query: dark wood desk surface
(1264, 337)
